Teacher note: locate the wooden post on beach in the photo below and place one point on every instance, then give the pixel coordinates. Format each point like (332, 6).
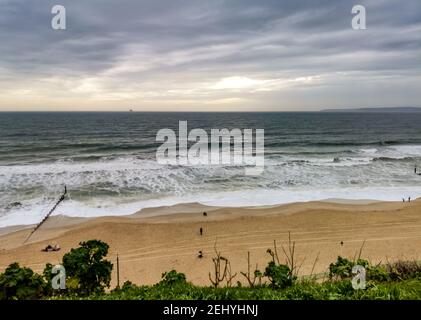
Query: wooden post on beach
(118, 273)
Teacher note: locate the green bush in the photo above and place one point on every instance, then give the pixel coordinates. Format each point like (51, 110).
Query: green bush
(342, 269)
(48, 277)
(172, 277)
(378, 273)
(128, 285)
(279, 275)
(86, 270)
(21, 283)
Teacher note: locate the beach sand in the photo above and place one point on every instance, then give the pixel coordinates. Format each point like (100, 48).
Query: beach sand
(153, 241)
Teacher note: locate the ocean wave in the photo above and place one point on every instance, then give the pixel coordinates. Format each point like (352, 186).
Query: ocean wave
(388, 159)
(339, 143)
(114, 184)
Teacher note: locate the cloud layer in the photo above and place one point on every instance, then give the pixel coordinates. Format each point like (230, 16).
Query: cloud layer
(209, 55)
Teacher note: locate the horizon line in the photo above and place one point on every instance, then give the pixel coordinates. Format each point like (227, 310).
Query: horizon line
(332, 110)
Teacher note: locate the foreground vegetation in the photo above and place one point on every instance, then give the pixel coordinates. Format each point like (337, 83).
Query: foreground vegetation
(88, 274)
(302, 290)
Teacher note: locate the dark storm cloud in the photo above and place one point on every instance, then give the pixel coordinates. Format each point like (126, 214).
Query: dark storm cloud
(154, 44)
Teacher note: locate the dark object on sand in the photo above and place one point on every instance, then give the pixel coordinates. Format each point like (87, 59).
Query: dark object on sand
(409, 199)
(200, 255)
(205, 214)
(51, 248)
(201, 231)
(342, 243)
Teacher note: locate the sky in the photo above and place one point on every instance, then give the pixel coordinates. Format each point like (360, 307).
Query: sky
(219, 55)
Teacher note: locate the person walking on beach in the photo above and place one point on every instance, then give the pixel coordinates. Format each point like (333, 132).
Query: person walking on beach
(409, 199)
(201, 231)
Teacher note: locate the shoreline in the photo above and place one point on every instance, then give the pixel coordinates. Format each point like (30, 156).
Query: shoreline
(63, 220)
(100, 207)
(156, 240)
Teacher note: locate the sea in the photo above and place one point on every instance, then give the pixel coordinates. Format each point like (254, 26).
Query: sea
(107, 161)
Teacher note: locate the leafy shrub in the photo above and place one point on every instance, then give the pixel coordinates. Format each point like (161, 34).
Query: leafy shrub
(279, 275)
(172, 277)
(127, 289)
(21, 283)
(48, 277)
(128, 285)
(341, 269)
(86, 270)
(378, 273)
(47, 274)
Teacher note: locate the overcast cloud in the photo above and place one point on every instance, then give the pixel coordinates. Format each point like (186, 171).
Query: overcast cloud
(209, 55)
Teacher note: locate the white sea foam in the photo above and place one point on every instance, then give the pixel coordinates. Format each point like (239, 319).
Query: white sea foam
(123, 185)
(245, 198)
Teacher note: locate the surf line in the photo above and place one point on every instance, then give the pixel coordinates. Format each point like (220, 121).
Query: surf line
(63, 196)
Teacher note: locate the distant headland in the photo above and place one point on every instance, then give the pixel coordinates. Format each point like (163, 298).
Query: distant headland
(377, 110)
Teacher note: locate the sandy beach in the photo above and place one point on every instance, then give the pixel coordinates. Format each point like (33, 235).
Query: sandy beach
(153, 241)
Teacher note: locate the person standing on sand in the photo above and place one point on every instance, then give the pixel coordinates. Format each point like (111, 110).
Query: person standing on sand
(409, 199)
